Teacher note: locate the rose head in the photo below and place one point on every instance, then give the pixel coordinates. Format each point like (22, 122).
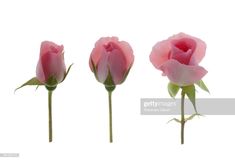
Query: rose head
(111, 60)
(51, 69)
(178, 58)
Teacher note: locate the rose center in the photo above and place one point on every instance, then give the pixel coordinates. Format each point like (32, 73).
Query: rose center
(182, 50)
(53, 49)
(185, 44)
(109, 47)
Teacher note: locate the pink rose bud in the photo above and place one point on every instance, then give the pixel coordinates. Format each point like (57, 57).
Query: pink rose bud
(51, 68)
(111, 60)
(50, 71)
(178, 58)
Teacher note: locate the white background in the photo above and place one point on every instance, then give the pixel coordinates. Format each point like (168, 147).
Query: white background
(80, 103)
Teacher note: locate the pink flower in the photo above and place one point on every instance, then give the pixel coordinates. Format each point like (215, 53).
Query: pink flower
(178, 58)
(51, 68)
(111, 59)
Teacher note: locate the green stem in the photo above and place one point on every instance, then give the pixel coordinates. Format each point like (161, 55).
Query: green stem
(182, 116)
(50, 114)
(110, 118)
(110, 89)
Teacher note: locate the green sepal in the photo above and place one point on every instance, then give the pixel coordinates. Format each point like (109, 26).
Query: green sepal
(190, 92)
(109, 84)
(173, 89)
(50, 88)
(202, 85)
(67, 72)
(109, 80)
(31, 82)
(126, 74)
(110, 88)
(51, 82)
(37, 87)
(94, 69)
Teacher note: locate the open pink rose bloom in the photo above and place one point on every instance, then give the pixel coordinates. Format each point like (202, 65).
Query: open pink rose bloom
(51, 62)
(178, 58)
(113, 57)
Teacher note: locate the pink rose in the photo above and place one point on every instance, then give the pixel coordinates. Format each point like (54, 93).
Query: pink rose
(111, 59)
(51, 69)
(178, 58)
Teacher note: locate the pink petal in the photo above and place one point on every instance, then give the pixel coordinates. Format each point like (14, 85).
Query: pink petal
(102, 68)
(117, 65)
(128, 53)
(40, 73)
(160, 53)
(52, 64)
(90, 64)
(182, 74)
(199, 52)
(50, 47)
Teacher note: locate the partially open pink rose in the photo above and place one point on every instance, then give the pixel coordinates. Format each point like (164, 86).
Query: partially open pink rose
(111, 58)
(178, 58)
(51, 63)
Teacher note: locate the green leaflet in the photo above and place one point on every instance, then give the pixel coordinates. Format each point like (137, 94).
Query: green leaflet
(202, 85)
(190, 92)
(174, 119)
(186, 119)
(50, 82)
(191, 117)
(32, 81)
(173, 89)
